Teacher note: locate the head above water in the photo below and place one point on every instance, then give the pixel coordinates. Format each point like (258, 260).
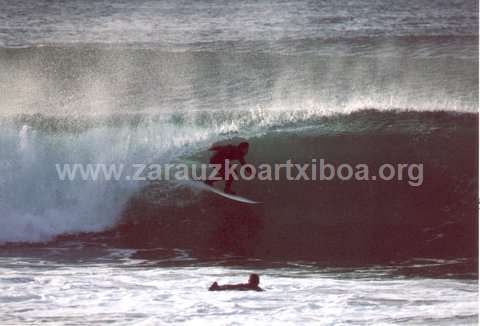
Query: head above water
(243, 146)
(254, 280)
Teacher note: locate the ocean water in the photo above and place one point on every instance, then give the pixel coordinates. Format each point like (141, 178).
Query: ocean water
(128, 292)
(157, 82)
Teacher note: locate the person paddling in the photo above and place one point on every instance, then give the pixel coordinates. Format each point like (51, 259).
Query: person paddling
(252, 285)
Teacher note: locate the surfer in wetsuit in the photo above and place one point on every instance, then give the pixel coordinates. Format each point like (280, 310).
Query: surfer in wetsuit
(252, 285)
(231, 153)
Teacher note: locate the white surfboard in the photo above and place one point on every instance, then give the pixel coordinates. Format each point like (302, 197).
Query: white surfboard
(204, 186)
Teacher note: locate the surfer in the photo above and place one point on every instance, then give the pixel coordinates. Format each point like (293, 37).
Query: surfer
(222, 154)
(252, 285)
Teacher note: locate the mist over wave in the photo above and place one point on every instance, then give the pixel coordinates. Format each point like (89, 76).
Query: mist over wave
(85, 80)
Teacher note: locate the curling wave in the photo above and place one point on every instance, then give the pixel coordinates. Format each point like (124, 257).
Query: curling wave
(331, 220)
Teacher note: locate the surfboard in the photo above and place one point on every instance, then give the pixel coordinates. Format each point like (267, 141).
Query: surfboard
(203, 186)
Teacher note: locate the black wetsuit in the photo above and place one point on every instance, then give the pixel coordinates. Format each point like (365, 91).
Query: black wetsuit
(235, 287)
(222, 154)
(227, 152)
